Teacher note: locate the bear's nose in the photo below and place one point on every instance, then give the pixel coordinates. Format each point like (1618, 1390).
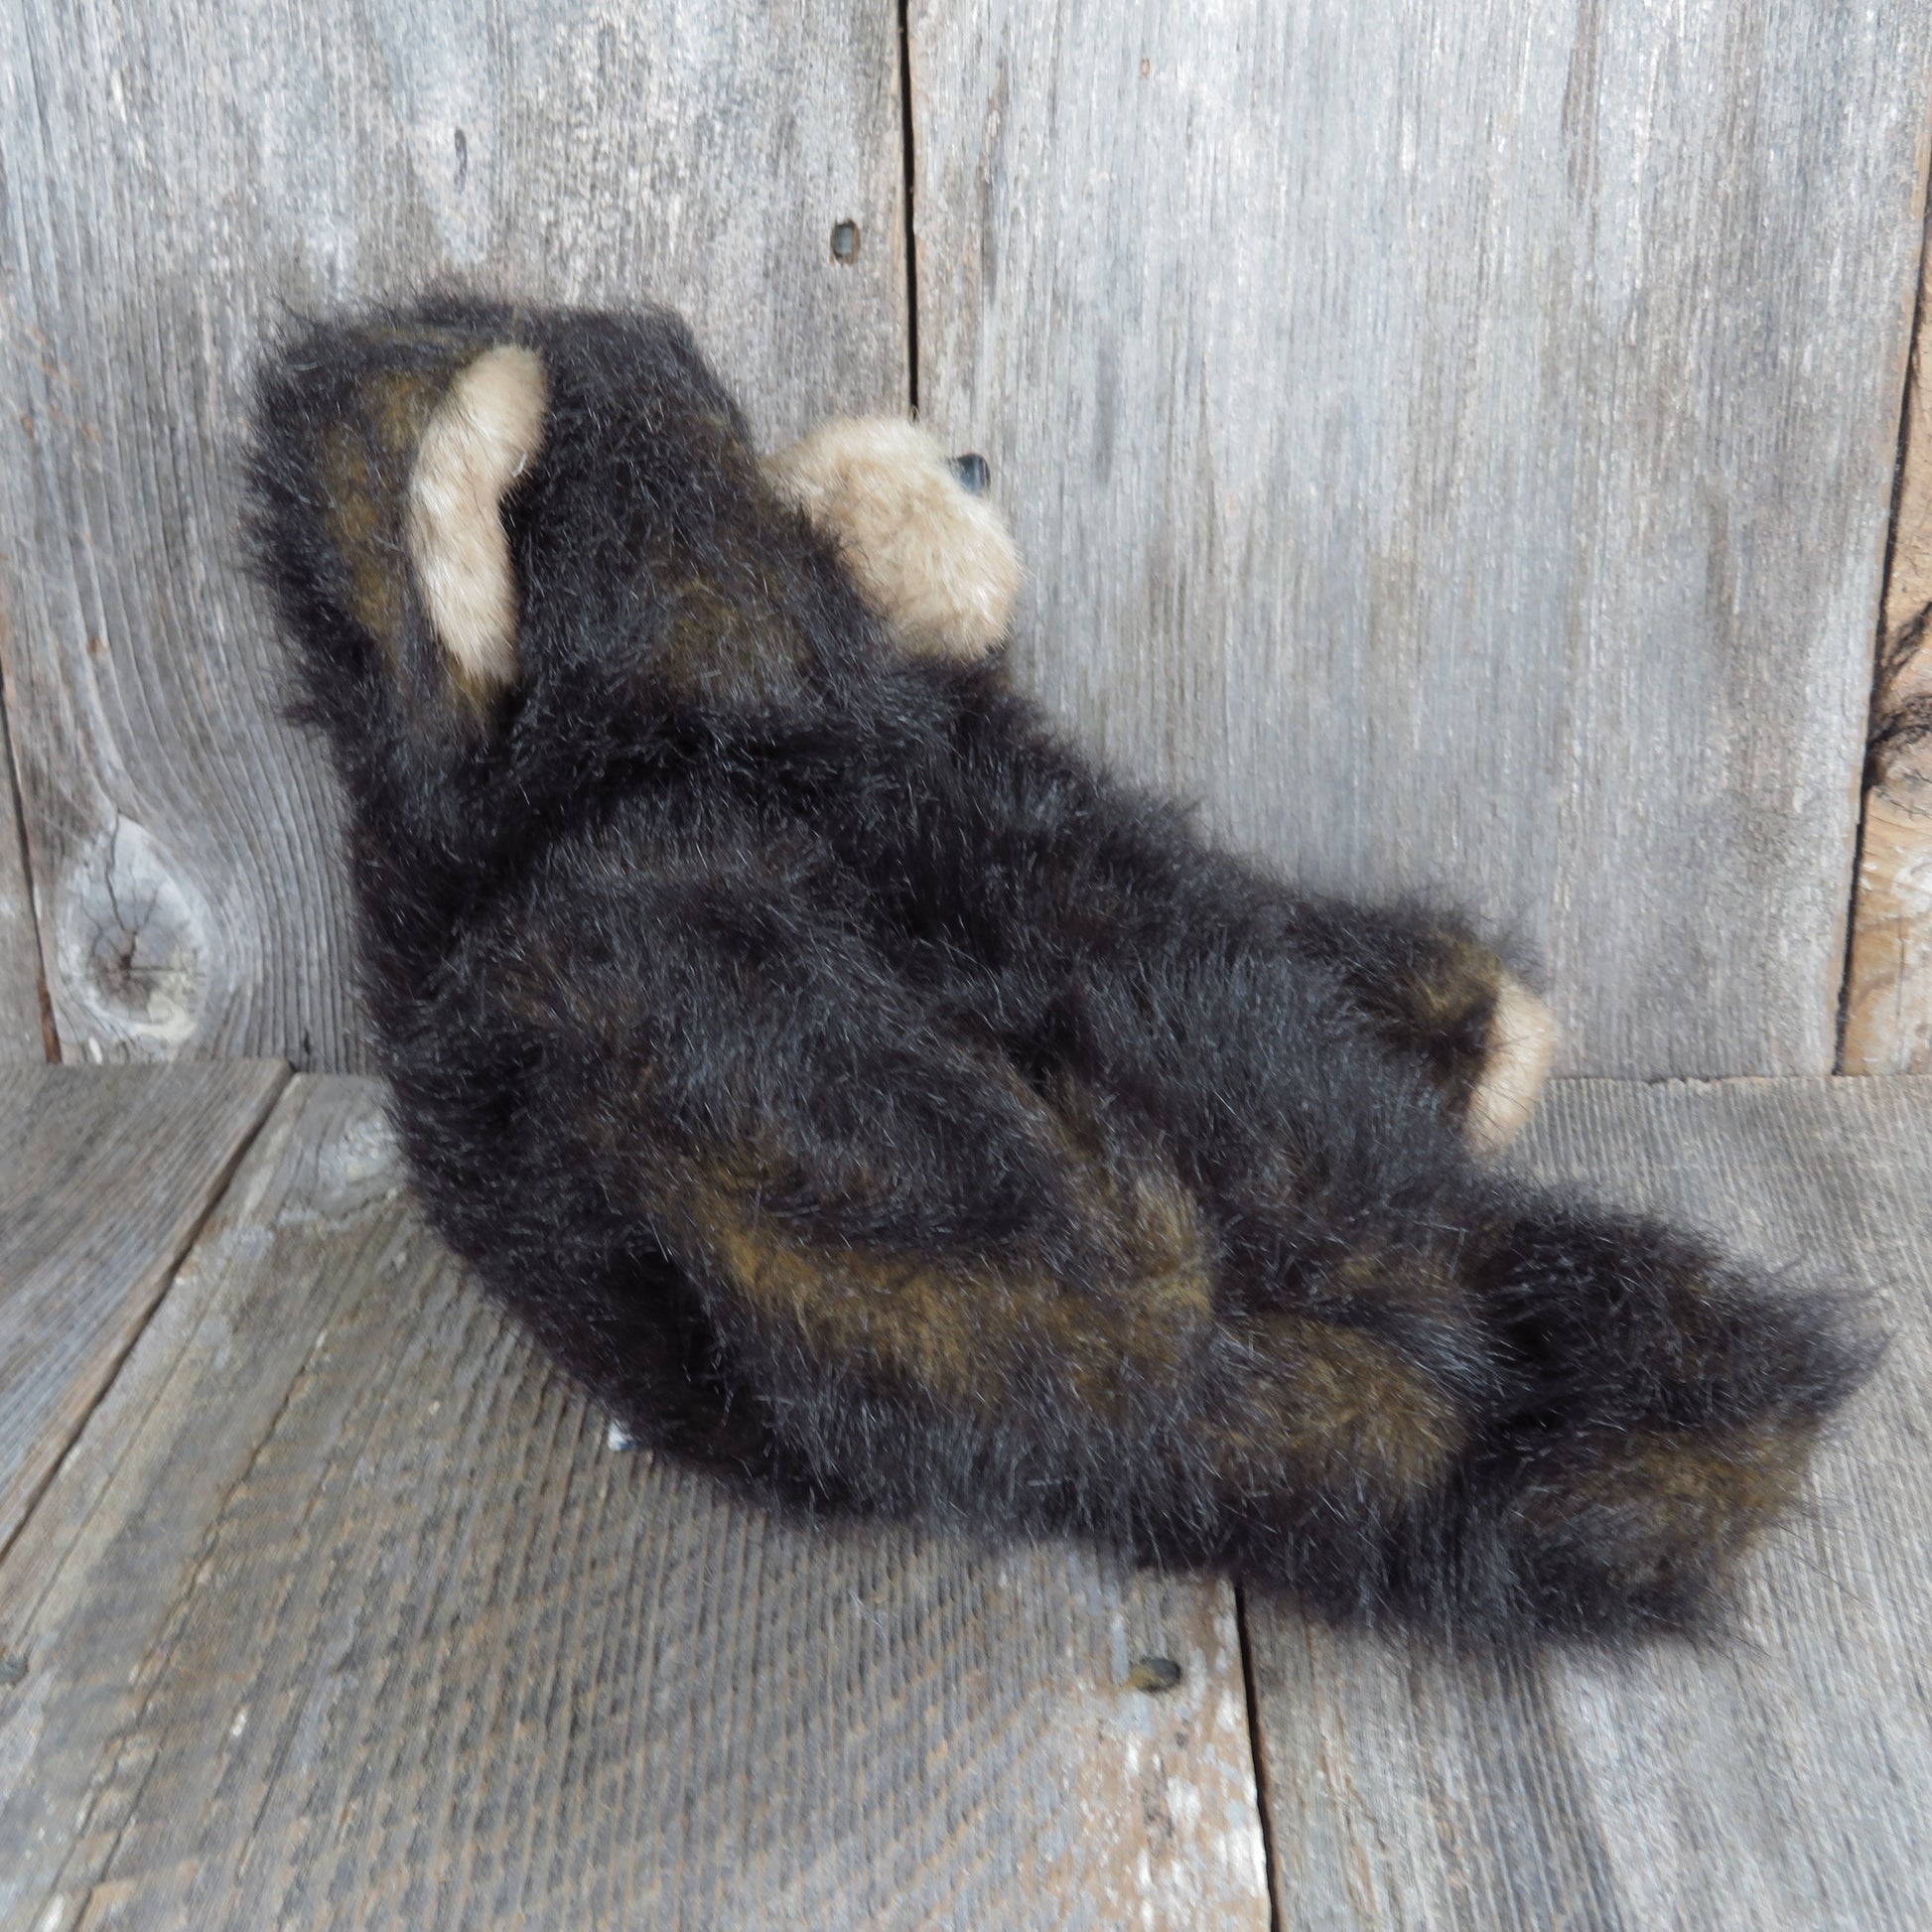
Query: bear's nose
(972, 473)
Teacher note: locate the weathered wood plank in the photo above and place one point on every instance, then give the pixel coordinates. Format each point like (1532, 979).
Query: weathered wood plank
(1456, 444)
(177, 176)
(1888, 994)
(344, 1612)
(22, 1035)
(104, 1177)
(1776, 1784)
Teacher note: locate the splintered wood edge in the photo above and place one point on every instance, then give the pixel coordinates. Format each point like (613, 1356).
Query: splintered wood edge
(1888, 983)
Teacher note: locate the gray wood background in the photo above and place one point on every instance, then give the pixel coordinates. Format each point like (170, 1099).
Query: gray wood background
(1455, 444)
(1455, 447)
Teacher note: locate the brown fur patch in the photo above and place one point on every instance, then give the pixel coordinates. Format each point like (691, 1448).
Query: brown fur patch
(1387, 1273)
(364, 467)
(1343, 1409)
(401, 404)
(1456, 990)
(950, 1330)
(970, 1332)
(364, 536)
(1665, 1500)
(722, 645)
(1340, 1408)
(1492, 1037)
(1141, 1217)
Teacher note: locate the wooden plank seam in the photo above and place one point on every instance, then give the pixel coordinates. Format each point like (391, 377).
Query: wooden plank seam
(180, 1249)
(19, 860)
(1258, 1759)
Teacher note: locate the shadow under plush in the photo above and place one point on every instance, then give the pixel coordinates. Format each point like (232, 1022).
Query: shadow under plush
(868, 1099)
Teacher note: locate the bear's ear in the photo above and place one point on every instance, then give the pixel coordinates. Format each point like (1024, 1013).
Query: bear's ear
(927, 548)
(480, 439)
(382, 454)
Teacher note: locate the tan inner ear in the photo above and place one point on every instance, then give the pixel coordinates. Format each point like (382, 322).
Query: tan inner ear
(486, 429)
(934, 562)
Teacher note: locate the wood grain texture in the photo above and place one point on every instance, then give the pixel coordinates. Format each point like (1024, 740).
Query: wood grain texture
(1888, 992)
(344, 1612)
(1455, 444)
(104, 1177)
(1774, 1785)
(178, 178)
(22, 1035)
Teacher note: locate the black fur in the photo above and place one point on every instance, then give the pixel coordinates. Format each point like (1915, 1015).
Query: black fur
(867, 1098)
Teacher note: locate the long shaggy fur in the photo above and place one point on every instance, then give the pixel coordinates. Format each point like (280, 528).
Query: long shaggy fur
(870, 1100)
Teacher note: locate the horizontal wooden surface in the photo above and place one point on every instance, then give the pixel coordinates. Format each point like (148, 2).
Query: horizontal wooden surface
(104, 1177)
(1775, 1784)
(344, 1612)
(178, 177)
(1455, 444)
(1888, 990)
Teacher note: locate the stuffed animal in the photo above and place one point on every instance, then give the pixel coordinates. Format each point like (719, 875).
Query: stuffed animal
(869, 1099)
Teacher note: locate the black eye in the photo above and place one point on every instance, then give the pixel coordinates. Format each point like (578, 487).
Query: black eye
(972, 473)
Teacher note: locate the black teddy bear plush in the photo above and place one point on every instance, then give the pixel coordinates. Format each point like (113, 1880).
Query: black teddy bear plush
(867, 1098)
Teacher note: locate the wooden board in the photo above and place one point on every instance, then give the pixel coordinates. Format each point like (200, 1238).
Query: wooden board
(178, 178)
(1889, 995)
(345, 1611)
(22, 1035)
(104, 1178)
(1456, 445)
(1777, 1785)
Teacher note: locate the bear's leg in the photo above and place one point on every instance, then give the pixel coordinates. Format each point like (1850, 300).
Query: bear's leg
(1052, 872)
(1435, 992)
(931, 557)
(928, 551)
(943, 1283)
(1485, 1038)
